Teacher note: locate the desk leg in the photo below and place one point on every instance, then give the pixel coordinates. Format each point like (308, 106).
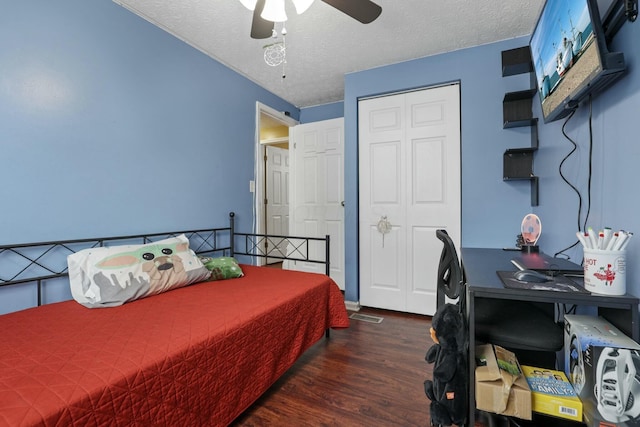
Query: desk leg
(472, 357)
(625, 320)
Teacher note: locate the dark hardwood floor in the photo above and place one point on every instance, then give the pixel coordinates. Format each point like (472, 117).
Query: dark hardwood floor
(367, 375)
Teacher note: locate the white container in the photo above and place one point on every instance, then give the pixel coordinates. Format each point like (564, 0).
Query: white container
(605, 271)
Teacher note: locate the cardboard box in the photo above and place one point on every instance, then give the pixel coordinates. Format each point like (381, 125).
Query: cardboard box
(603, 365)
(552, 393)
(500, 385)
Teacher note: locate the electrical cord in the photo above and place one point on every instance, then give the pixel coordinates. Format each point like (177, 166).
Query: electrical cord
(564, 178)
(590, 173)
(582, 226)
(586, 218)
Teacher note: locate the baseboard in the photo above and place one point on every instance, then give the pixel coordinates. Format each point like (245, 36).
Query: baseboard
(352, 305)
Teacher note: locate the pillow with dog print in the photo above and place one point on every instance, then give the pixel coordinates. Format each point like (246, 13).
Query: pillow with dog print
(112, 276)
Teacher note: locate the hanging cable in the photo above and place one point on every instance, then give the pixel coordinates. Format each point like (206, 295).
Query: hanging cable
(564, 178)
(586, 218)
(582, 226)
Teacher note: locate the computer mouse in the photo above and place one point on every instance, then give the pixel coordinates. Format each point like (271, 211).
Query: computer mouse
(530, 276)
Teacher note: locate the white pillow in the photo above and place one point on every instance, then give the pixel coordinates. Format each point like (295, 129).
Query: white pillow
(112, 276)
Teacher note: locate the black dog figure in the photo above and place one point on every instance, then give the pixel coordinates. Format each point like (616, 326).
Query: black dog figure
(448, 390)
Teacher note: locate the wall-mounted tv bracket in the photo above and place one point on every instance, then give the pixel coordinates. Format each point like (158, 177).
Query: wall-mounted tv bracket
(631, 9)
(619, 12)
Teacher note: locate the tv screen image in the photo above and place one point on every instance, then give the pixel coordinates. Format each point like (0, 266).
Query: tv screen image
(569, 55)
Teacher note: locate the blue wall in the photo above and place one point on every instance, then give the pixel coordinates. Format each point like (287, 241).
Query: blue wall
(615, 197)
(322, 112)
(491, 208)
(111, 126)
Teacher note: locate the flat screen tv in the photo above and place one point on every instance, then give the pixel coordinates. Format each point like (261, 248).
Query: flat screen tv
(570, 56)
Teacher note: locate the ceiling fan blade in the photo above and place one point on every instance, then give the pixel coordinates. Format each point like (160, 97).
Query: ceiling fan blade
(364, 11)
(260, 28)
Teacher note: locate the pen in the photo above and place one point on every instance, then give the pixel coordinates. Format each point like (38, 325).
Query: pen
(612, 241)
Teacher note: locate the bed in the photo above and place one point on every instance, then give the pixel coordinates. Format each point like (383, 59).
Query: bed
(198, 355)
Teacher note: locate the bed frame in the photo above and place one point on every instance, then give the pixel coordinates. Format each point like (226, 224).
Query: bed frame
(198, 355)
(39, 263)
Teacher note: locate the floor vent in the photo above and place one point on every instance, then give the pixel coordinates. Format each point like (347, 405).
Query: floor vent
(366, 318)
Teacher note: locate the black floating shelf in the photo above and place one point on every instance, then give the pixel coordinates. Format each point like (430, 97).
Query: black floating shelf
(534, 134)
(517, 112)
(518, 165)
(516, 61)
(516, 109)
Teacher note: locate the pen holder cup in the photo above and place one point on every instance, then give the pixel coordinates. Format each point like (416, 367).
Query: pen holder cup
(605, 271)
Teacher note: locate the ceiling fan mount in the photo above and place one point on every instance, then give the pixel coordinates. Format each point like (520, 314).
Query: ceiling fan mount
(364, 11)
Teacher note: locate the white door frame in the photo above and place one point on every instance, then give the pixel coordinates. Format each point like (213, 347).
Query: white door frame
(258, 187)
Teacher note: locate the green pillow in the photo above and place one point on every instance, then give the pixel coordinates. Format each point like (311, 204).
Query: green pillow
(222, 267)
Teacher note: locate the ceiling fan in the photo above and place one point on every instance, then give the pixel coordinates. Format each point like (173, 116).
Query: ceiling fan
(267, 12)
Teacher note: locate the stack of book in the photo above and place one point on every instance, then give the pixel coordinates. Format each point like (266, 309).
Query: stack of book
(552, 393)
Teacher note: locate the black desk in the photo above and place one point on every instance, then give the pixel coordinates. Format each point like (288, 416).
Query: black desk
(480, 266)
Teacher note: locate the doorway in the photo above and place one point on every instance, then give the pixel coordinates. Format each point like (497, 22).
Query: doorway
(271, 189)
(308, 201)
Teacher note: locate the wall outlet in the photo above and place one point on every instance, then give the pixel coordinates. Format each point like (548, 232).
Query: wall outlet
(252, 186)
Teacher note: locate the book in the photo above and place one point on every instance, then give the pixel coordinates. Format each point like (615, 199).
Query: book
(552, 393)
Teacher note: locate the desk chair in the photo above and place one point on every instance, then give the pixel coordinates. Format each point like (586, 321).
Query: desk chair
(526, 328)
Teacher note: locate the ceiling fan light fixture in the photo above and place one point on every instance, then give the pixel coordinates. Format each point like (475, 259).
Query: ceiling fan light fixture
(249, 4)
(274, 11)
(301, 5)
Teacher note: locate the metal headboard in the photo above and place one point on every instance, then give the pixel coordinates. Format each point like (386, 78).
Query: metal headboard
(36, 263)
(314, 250)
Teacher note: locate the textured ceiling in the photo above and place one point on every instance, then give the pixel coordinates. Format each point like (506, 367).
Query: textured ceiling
(324, 44)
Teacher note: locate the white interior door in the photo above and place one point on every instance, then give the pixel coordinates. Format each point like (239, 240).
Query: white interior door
(317, 195)
(409, 170)
(277, 203)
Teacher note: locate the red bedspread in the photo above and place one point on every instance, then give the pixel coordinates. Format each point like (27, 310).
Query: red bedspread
(196, 356)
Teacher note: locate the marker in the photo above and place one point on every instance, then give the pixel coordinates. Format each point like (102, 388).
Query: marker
(592, 238)
(612, 241)
(606, 237)
(587, 240)
(623, 236)
(582, 239)
(626, 242)
(600, 240)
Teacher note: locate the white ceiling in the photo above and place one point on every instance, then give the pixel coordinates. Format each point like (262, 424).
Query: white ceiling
(323, 44)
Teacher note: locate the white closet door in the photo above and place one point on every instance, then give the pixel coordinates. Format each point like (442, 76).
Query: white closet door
(409, 168)
(317, 209)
